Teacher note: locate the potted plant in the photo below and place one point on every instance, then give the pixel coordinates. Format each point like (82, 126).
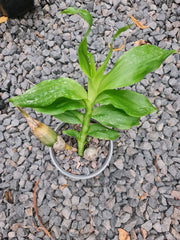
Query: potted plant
(111, 108)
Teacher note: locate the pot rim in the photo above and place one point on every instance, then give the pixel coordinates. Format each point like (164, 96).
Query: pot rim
(76, 176)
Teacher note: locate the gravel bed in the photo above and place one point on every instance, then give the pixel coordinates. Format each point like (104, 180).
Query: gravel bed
(135, 190)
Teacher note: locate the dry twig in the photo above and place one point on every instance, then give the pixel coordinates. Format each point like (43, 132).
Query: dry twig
(36, 211)
(155, 164)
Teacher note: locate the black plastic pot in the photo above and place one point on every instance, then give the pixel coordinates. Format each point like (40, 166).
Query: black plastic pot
(79, 177)
(15, 8)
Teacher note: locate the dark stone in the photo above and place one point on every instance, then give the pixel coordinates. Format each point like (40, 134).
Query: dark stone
(2, 104)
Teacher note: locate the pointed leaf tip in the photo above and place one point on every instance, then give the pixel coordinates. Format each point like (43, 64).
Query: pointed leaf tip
(133, 65)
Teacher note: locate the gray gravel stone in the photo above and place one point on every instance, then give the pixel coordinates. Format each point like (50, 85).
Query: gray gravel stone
(75, 200)
(157, 227)
(166, 224)
(176, 105)
(150, 177)
(1, 137)
(66, 223)
(145, 146)
(107, 214)
(66, 212)
(147, 225)
(110, 203)
(119, 163)
(66, 192)
(56, 231)
(130, 225)
(41, 196)
(125, 217)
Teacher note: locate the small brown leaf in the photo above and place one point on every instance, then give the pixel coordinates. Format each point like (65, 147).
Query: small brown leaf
(63, 186)
(123, 235)
(39, 35)
(140, 42)
(175, 194)
(143, 196)
(138, 24)
(3, 19)
(143, 233)
(118, 49)
(8, 196)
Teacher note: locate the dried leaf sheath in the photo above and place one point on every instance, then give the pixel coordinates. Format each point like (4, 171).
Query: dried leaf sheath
(41, 131)
(44, 133)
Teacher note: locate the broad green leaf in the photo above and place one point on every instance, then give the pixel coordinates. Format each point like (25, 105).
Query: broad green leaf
(73, 116)
(46, 92)
(72, 133)
(98, 131)
(113, 117)
(60, 106)
(133, 65)
(86, 60)
(134, 104)
(101, 70)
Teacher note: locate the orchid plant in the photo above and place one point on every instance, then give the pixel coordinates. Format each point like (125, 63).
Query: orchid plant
(111, 107)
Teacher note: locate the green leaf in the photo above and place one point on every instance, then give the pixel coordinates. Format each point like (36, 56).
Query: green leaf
(72, 133)
(60, 106)
(134, 104)
(86, 60)
(83, 13)
(133, 65)
(92, 65)
(46, 92)
(119, 31)
(73, 116)
(98, 131)
(101, 70)
(113, 117)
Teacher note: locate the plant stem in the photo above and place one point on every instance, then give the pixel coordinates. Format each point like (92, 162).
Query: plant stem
(84, 130)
